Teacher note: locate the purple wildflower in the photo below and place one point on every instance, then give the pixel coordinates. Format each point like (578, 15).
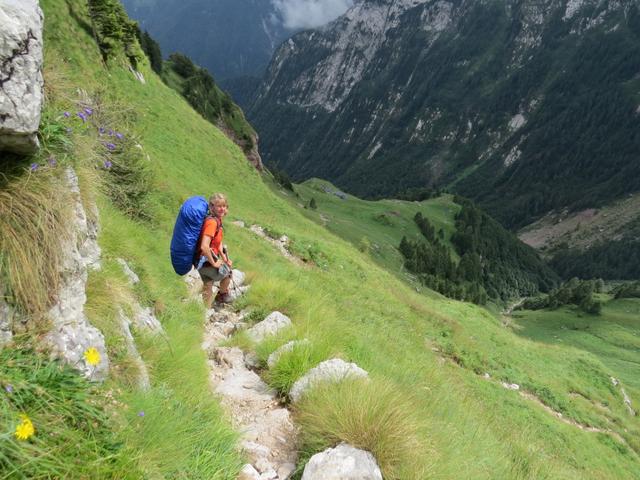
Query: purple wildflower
(101, 131)
(88, 111)
(8, 388)
(110, 146)
(110, 133)
(119, 136)
(141, 413)
(52, 161)
(34, 167)
(82, 116)
(66, 114)
(107, 164)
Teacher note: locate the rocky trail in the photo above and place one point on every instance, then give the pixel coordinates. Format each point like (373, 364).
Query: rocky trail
(269, 438)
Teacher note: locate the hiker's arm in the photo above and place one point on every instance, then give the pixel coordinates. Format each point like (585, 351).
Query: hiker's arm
(206, 251)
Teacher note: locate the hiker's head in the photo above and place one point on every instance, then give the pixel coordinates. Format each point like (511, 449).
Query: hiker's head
(218, 204)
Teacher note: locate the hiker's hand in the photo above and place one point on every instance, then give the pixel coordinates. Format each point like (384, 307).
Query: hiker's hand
(229, 262)
(217, 263)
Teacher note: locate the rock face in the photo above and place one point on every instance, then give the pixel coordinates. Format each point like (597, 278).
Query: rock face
(21, 82)
(333, 370)
(342, 463)
(433, 92)
(72, 334)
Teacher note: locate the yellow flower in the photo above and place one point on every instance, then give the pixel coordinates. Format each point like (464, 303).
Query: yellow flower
(92, 356)
(25, 429)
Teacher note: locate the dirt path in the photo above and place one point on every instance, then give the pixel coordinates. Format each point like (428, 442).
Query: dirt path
(268, 436)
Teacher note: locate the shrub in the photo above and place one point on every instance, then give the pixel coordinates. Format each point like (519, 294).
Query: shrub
(114, 31)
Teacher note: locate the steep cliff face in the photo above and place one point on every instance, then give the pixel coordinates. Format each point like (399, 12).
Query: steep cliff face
(525, 106)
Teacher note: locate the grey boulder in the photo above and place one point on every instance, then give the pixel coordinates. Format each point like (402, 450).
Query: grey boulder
(343, 462)
(21, 81)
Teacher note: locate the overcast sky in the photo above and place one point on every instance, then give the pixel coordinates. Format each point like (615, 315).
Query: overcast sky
(298, 14)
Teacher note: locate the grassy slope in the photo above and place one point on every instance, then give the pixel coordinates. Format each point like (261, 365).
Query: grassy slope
(473, 428)
(383, 223)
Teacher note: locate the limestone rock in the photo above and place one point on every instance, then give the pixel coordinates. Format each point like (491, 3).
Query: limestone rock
(21, 81)
(131, 275)
(248, 473)
(237, 277)
(333, 370)
(287, 347)
(510, 386)
(145, 320)
(343, 462)
(6, 320)
(194, 283)
(143, 378)
(72, 334)
(70, 340)
(271, 325)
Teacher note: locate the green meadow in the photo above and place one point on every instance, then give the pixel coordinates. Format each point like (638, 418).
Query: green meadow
(429, 411)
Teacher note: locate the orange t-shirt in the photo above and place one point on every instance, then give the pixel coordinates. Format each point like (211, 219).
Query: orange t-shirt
(209, 228)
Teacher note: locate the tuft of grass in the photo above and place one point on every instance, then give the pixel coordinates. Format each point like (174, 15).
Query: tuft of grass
(370, 415)
(294, 364)
(272, 343)
(34, 212)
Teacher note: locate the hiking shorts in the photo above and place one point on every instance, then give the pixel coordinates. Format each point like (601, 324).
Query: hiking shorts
(210, 274)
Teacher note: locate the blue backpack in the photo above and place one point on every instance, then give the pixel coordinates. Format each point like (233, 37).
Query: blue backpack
(186, 232)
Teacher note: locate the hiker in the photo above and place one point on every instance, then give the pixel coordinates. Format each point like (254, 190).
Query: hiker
(214, 263)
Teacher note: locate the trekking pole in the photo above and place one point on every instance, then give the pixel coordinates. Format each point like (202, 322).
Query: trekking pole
(235, 286)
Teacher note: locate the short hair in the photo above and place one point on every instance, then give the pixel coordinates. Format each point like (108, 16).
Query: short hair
(218, 198)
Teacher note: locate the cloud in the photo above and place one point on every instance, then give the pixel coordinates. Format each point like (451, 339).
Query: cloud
(298, 14)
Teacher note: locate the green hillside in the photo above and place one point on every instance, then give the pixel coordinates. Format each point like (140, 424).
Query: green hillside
(374, 226)
(427, 356)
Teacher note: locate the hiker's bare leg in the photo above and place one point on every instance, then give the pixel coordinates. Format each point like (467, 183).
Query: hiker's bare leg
(224, 284)
(207, 293)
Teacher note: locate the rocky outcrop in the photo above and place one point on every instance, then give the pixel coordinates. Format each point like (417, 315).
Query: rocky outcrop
(334, 370)
(343, 462)
(72, 334)
(21, 81)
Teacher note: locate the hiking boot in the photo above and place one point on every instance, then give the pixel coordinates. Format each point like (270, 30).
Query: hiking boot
(223, 298)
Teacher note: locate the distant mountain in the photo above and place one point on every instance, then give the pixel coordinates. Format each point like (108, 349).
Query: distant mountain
(231, 38)
(525, 106)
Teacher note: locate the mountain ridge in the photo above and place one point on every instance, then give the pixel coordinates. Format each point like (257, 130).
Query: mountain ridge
(394, 95)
